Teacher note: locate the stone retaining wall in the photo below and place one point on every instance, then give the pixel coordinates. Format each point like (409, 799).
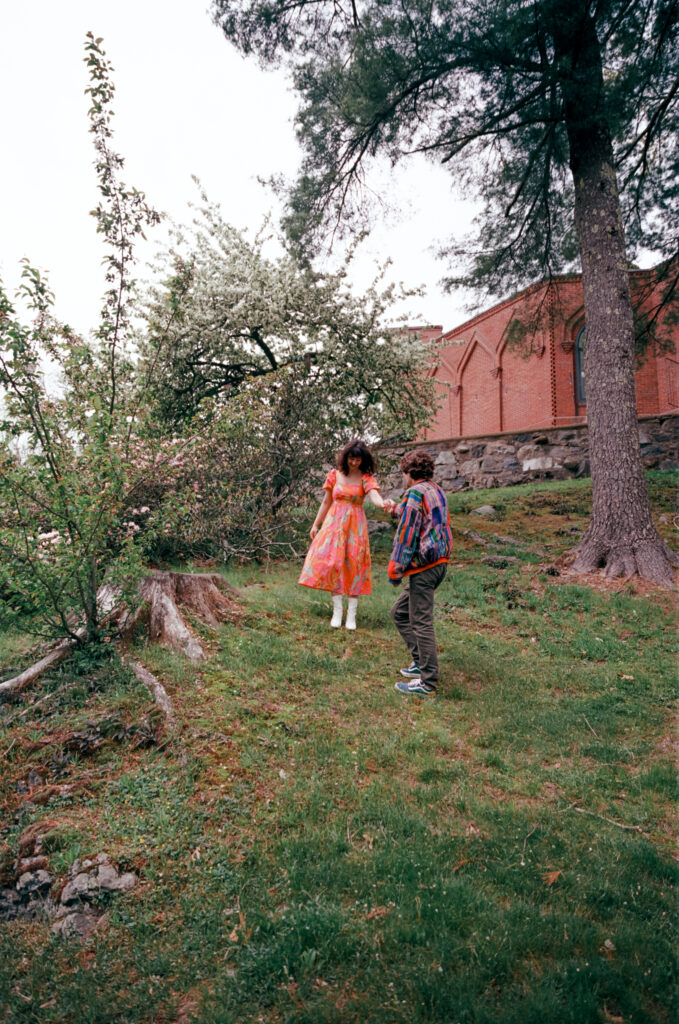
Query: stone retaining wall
(498, 460)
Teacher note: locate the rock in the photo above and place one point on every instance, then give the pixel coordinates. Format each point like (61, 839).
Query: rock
(583, 468)
(538, 465)
(34, 882)
(500, 448)
(103, 858)
(492, 464)
(110, 881)
(29, 864)
(507, 540)
(668, 426)
(83, 886)
(559, 453)
(444, 459)
(9, 904)
(484, 510)
(79, 924)
(529, 451)
(119, 883)
(457, 485)
(470, 468)
(34, 779)
(540, 439)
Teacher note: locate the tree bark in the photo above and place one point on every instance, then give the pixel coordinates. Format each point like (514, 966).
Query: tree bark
(621, 537)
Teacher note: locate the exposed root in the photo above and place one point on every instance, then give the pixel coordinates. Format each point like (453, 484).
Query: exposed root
(156, 688)
(651, 560)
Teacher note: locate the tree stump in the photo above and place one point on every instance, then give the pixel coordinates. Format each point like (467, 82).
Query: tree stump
(206, 595)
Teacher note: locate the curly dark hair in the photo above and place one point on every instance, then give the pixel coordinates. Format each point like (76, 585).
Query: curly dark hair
(360, 450)
(419, 464)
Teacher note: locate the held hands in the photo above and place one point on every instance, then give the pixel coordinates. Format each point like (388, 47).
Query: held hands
(389, 505)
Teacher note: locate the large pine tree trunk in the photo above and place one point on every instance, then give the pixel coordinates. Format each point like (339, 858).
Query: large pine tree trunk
(621, 537)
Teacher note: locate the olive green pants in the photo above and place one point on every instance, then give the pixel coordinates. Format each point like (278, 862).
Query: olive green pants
(413, 616)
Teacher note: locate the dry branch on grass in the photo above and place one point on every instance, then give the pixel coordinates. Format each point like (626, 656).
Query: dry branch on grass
(54, 657)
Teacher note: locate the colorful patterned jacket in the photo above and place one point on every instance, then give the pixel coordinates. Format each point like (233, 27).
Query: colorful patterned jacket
(423, 537)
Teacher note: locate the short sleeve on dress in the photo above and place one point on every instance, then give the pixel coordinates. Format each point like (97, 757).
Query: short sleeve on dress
(330, 480)
(370, 483)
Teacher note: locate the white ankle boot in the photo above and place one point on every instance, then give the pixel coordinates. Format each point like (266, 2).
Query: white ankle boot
(336, 620)
(351, 613)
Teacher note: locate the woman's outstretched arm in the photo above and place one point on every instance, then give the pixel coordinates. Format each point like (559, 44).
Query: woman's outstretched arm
(378, 500)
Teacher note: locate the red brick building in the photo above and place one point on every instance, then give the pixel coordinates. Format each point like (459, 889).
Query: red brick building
(518, 366)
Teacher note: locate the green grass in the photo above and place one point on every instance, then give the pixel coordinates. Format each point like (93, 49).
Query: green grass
(315, 847)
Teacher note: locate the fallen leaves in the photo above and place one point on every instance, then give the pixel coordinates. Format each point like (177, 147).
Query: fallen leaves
(379, 912)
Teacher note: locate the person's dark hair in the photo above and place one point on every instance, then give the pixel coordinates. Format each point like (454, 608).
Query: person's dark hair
(419, 464)
(360, 450)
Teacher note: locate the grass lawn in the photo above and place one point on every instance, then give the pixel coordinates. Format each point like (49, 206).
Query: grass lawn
(315, 847)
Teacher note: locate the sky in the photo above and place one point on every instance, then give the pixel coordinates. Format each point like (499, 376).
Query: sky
(186, 104)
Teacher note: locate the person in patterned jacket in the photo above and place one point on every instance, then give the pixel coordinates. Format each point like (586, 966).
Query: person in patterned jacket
(420, 554)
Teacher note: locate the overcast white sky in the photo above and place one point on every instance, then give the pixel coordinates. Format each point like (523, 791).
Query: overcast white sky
(186, 103)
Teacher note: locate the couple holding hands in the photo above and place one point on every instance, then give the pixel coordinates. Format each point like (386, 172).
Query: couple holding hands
(339, 557)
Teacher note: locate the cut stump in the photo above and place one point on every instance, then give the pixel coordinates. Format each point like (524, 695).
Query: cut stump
(206, 595)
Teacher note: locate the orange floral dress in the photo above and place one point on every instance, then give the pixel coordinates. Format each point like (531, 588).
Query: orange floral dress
(339, 557)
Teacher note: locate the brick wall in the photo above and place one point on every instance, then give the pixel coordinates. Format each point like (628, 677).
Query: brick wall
(487, 382)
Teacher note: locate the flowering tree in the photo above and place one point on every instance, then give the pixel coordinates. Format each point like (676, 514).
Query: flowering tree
(247, 316)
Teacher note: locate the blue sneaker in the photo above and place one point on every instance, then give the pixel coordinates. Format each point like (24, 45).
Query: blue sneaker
(416, 686)
(412, 672)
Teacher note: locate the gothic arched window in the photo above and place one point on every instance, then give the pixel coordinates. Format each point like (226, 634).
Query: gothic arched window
(580, 341)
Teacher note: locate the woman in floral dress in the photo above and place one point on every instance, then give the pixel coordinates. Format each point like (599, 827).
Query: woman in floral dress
(339, 557)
